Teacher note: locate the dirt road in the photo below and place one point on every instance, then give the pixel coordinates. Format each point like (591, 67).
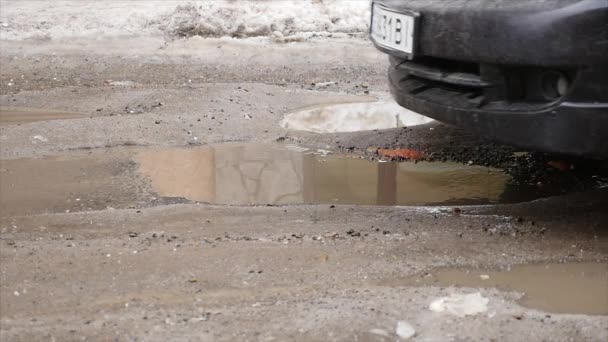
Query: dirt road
(125, 216)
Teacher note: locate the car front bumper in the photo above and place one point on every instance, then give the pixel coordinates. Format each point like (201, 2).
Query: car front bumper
(483, 65)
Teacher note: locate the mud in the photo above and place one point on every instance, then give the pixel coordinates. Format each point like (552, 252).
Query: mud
(16, 115)
(79, 182)
(131, 264)
(240, 174)
(576, 288)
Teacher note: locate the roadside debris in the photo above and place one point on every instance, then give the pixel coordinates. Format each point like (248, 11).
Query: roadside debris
(120, 83)
(323, 84)
(400, 153)
(461, 304)
(380, 332)
(40, 138)
(405, 330)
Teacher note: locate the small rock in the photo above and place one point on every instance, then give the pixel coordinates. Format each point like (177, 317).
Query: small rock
(157, 122)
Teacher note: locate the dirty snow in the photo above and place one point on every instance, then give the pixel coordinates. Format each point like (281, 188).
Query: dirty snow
(285, 20)
(461, 304)
(352, 117)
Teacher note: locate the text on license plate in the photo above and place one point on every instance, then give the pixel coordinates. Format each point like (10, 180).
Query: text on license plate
(393, 30)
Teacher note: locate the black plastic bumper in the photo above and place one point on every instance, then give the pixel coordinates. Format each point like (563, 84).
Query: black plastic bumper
(481, 64)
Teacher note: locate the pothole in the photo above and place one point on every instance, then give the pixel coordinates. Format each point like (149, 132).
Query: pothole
(15, 115)
(246, 174)
(577, 288)
(242, 174)
(351, 117)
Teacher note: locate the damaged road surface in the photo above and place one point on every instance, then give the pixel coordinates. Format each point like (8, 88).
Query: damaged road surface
(222, 190)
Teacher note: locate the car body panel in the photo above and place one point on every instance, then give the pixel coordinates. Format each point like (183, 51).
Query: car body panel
(495, 40)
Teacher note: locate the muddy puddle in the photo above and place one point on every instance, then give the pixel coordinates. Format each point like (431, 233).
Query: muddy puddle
(14, 115)
(78, 182)
(239, 174)
(259, 174)
(577, 288)
(351, 117)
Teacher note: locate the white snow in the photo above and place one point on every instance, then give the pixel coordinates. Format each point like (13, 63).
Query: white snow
(283, 20)
(405, 330)
(352, 117)
(461, 304)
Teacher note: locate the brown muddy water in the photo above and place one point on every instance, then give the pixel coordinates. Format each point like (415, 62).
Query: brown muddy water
(13, 115)
(577, 288)
(239, 174)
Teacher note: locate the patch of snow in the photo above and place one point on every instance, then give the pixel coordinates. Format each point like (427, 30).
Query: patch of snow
(380, 332)
(352, 117)
(121, 83)
(461, 304)
(285, 20)
(405, 330)
(40, 138)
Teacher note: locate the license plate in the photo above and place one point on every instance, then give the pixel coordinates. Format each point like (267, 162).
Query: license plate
(393, 30)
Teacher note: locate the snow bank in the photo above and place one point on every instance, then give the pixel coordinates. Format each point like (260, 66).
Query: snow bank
(280, 20)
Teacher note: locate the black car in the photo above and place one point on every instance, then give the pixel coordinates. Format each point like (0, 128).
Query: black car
(532, 73)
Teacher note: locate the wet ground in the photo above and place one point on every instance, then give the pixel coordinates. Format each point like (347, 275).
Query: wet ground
(245, 174)
(16, 116)
(555, 287)
(170, 194)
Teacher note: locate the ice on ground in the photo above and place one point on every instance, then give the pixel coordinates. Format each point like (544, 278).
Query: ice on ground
(352, 117)
(461, 304)
(281, 20)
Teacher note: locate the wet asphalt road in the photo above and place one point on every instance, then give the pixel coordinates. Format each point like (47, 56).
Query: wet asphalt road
(93, 248)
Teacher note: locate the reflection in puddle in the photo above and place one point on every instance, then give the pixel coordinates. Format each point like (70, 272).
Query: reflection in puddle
(238, 174)
(13, 116)
(579, 288)
(259, 174)
(353, 117)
